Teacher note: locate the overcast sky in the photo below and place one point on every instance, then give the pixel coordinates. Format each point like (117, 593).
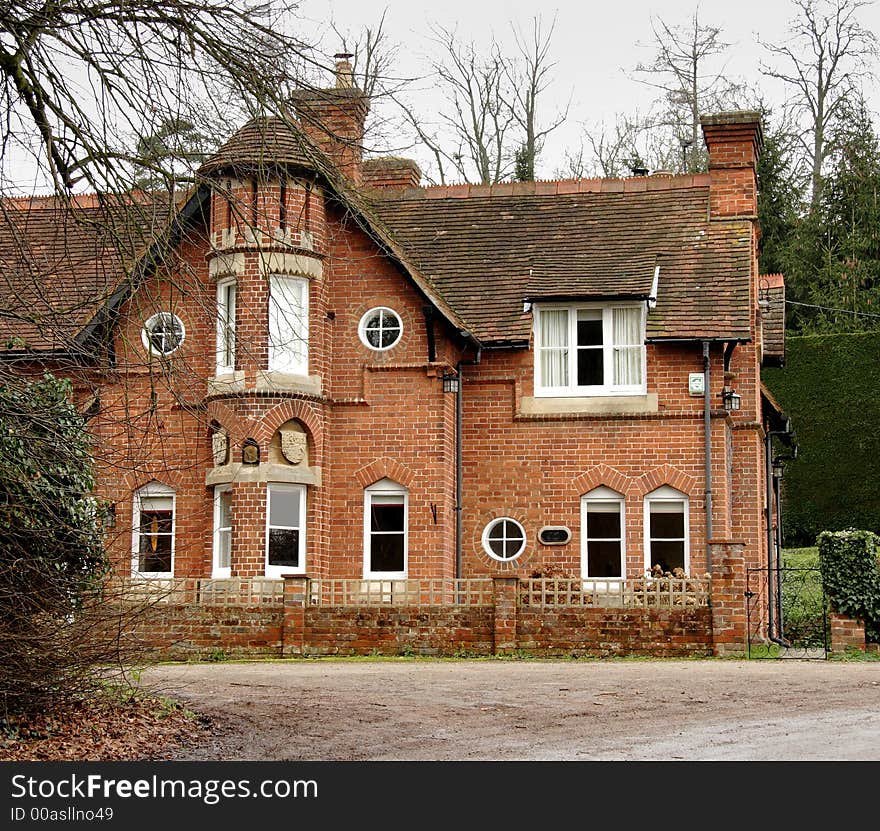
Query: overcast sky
(596, 44)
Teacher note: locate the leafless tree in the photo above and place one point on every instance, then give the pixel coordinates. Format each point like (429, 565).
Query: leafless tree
(84, 81)
(375, 61)
(529, 77)
(88, 88)
(827, 54)
(631, 143)
(685, 72)
(490, 120)
(477, 117)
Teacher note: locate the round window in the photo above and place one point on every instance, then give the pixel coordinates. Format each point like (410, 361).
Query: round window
(163, 333)
(504, 539)
(380, 328)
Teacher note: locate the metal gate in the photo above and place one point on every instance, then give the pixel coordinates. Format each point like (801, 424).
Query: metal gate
(786, 613)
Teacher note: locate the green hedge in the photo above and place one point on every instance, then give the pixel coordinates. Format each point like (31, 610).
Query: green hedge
(851, 577)
(830, 387)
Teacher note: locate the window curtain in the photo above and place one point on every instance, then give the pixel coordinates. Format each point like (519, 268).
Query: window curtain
(554, 348)
(628, 346)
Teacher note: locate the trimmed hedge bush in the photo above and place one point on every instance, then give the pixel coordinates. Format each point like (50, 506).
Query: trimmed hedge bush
(829, 387)
(851, 576)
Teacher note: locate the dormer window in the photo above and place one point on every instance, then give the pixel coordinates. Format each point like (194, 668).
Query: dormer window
(589, 349)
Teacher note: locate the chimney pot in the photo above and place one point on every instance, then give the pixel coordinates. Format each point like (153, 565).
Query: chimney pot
(344, 71)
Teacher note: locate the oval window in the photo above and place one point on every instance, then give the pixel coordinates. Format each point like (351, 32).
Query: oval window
(504, 539)
(163, 333)
(380, 328)
(554, 535)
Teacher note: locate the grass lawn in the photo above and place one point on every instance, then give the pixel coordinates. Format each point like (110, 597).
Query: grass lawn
(800, 557)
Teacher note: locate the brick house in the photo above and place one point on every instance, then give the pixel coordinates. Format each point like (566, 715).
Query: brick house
(318, 367)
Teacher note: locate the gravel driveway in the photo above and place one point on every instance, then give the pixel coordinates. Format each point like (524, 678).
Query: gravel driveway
(531, 710)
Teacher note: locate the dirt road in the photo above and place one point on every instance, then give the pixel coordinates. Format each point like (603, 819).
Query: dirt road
(531, 710)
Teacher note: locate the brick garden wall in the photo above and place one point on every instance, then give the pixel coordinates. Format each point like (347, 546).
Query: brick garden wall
(183, 632)
(668, 633)
(503, 624)
(426, 630)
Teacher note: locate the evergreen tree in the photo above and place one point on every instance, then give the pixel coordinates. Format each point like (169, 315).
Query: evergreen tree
(833, 258)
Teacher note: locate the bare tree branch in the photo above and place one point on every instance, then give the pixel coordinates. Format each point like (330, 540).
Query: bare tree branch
(827, 53)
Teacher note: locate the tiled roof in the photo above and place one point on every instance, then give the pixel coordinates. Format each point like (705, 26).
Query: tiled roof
(478, 245)
(606, 275)
(59, 263)
(773, 318)
(264, 142)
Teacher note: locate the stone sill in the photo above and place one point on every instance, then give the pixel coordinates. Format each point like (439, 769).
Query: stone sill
(588, 406)
(264, 472)
(271, 381)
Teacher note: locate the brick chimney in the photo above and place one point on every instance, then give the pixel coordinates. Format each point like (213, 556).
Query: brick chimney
(735, 140)
(334, 119)
(390, 173)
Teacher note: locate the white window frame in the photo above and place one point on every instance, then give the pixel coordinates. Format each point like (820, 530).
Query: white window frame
(218, 572)
(606, 495)
(226, 324)
(488, 548)
(667, 494)
(384, 487)
(289, 358)
(280, 571)
(148, 343)
(159, 491)
(572, 389)
(362, 328)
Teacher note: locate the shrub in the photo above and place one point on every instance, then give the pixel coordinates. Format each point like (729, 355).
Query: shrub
(851, 577)
(53, 629)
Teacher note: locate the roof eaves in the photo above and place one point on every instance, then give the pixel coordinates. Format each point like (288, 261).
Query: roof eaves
(145, 264)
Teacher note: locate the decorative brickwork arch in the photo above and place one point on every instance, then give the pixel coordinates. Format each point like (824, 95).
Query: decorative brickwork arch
(385, 468)
(237, 428)
(172, 478)
(602, 475)
(293, 408)
(667, 475)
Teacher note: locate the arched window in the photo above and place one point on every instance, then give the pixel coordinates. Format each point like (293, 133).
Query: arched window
(386, 530)
(152, 552)
(667, 542)
(603, 535)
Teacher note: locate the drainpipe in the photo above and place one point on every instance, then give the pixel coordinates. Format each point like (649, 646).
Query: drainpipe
(458, 466)
(458, 459)
(768, 477)
(774, 586)
(707, 438)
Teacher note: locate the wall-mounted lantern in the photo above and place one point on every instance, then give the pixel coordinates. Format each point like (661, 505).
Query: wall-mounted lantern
(732, 400)
(450, 382)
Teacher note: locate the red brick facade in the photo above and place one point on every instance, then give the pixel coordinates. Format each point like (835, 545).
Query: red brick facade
(371, 416)
(374, 415)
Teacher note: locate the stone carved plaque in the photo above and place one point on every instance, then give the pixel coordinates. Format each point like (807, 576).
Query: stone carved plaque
(219, 447)
(293, 446)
